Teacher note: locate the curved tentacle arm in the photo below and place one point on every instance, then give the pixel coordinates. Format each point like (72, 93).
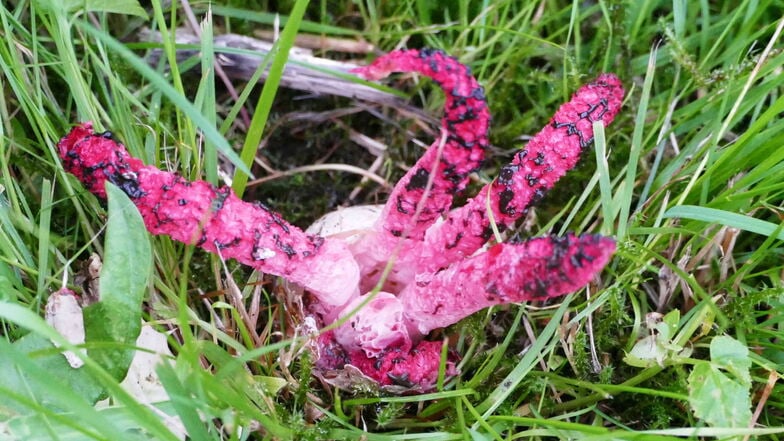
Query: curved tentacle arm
(465, 124)
(537, 269)
(214, 219)
(534, 170)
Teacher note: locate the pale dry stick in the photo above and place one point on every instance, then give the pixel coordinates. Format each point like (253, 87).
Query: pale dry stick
(255, 300)
(772, 377)
(303, 71)
(262, 162)
(719, 247)
(372, 169)
(540, 12)
(286, 357)
(218, 68)
(566, 338)
(234, 294)
(529, 330)
(219, 325)
(597, 367)
(675, 145)
(374, 147)
(172, 422)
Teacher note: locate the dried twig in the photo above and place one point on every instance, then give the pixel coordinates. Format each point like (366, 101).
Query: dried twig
(240, 56)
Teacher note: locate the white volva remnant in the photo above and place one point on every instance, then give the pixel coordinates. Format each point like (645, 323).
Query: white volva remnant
(64, 314)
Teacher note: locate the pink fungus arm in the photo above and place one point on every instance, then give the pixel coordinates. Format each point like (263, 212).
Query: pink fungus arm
(465, 125)
(533, 170)
(394, 366)
(537, 269)
(198, 213)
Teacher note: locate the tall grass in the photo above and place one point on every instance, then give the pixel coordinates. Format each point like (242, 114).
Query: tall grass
(688, 179)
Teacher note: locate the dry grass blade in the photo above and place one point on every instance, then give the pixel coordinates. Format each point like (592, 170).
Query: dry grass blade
(323, 43)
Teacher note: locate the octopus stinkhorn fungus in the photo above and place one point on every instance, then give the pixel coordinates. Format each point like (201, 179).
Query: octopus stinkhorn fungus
(426, 256)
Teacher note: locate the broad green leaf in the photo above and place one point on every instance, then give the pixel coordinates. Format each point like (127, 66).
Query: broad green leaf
(715, 397)
(733, 356)
(36, 381)
(656, 350)
(718, 400)
(659, 347)
(127, 265)
(270, 386)
(647, 352)
(671, 321)
(36, 386)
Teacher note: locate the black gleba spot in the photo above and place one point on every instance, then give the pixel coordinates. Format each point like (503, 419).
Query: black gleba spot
(419, 180)
(127, 182)
(504, 199)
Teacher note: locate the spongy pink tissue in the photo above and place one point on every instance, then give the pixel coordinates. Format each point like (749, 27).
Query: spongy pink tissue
(423, 256)
(379, 326)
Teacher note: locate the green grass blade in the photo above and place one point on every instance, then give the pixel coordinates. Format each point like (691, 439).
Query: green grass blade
(205, 97)
(525, 365)
(264, 105)
(625, 198)
(210, 131)
(726, 218)
(603, 170)
(44, 237)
